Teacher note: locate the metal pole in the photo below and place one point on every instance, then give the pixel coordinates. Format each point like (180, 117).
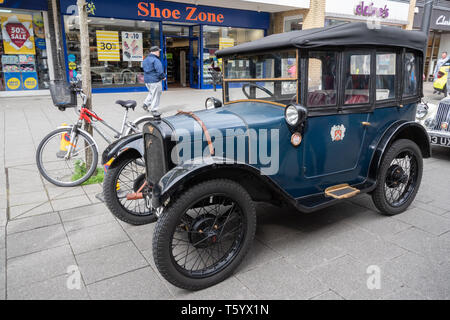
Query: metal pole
(426, 18)
(85, 63)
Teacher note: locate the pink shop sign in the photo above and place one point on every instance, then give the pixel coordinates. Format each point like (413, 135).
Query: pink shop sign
(367, 9)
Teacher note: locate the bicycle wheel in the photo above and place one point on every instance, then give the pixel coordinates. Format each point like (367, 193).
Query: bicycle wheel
(57, 167)
(138, 125)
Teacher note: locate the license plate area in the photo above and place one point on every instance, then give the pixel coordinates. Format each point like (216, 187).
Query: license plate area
(440, 141)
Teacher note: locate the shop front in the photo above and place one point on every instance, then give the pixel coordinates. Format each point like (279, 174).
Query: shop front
(122, 32)
(395, 13)
(438, 39)
(23, 46)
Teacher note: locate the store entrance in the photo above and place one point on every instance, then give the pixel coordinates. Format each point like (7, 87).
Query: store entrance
(177, 62)
(181, 55)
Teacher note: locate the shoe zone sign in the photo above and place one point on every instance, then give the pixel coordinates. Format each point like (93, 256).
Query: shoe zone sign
(173, 11)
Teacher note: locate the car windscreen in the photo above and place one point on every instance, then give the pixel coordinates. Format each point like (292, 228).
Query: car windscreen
(271, 77)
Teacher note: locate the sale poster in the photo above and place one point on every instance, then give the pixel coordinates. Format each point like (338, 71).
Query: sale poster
(108, 45)
(132, 46)
(17, 33)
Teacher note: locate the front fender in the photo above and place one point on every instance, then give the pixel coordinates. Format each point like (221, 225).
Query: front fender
(260, 187)
(113, 151)
(400, 130)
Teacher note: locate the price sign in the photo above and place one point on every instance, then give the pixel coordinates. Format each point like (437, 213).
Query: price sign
(132, 46)
(108, 46)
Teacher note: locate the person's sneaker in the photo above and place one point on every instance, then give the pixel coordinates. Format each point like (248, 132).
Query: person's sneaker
(145, 107)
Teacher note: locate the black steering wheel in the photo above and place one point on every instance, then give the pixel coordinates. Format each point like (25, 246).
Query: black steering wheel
(251, 84)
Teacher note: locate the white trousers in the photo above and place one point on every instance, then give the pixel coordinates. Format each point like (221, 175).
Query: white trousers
(154, 95)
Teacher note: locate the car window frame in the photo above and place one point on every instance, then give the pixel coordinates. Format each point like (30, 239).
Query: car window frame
(225, 88)
(306, 81)
(361, 107)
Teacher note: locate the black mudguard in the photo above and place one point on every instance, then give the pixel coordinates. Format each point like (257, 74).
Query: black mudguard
(400, 130)
(131, 142)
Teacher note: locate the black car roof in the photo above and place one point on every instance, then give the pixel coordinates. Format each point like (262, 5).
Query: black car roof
(346, 34)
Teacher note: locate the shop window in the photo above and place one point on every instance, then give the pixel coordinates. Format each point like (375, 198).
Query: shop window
(24, 64)
(410, 75)
(322, 79)
(357, 79)
(215, 38)
(293, 23)
(118, 48)
(386, 69)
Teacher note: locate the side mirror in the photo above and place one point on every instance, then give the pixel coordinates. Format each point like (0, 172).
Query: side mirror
(296, 116)
(212, 103)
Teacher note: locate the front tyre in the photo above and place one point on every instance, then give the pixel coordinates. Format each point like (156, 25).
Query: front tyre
(204, 234)
(398, 178)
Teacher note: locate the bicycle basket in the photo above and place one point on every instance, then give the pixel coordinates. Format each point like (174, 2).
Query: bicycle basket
(62, 94)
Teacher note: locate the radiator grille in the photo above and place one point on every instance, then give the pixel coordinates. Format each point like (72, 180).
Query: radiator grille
(442, 115)
(156, 163)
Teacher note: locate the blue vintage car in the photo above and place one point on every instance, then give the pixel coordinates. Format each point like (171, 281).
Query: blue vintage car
(308, 118)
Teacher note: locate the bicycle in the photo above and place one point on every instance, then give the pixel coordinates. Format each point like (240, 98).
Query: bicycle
(68, 156)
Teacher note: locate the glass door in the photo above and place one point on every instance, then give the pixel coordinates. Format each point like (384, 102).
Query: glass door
(194, 63)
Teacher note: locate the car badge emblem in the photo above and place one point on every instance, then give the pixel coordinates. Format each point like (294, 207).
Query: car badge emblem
(338, 132)
(444, 125)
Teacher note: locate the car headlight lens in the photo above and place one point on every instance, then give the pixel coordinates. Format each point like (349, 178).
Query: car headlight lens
(212, 103)
(422, 111)
(291, 115)
(430, 123)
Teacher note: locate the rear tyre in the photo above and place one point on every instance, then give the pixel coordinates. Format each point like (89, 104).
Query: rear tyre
(204, 234)
(398, 178)
(126, 175)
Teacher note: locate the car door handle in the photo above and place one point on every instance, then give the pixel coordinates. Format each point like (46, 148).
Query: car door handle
(366, 124)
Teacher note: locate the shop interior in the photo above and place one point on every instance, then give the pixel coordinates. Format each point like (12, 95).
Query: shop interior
(178, 62)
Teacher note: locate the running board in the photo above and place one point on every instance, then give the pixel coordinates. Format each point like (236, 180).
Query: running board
(341, 191)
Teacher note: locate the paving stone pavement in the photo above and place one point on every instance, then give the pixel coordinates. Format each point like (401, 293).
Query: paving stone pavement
(53, 233)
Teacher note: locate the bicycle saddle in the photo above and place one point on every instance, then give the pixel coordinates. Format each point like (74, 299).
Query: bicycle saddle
(128, 104)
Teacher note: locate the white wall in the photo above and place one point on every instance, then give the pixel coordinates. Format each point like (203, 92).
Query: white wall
(445, 44)
(398, 11)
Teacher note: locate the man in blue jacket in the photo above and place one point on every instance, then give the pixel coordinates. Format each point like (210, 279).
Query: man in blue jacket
(153, 77)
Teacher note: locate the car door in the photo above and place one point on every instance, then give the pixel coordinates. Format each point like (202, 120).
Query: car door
(339, 98)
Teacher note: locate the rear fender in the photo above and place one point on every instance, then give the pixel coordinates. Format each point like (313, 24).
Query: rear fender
(400, 130)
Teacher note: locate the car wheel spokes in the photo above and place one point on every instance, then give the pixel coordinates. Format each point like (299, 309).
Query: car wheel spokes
(131, 177)
(401, 178)
(208, 237)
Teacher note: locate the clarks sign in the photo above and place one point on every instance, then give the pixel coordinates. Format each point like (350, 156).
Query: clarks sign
(190, 13)
(440, 19)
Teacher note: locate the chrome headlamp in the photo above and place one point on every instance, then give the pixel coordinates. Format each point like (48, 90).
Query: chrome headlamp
(422, 111)
(212, 103)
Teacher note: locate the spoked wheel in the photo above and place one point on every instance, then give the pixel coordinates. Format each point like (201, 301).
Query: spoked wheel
(204, 234)
(399, 177)
(62, 168)
(126, 176)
